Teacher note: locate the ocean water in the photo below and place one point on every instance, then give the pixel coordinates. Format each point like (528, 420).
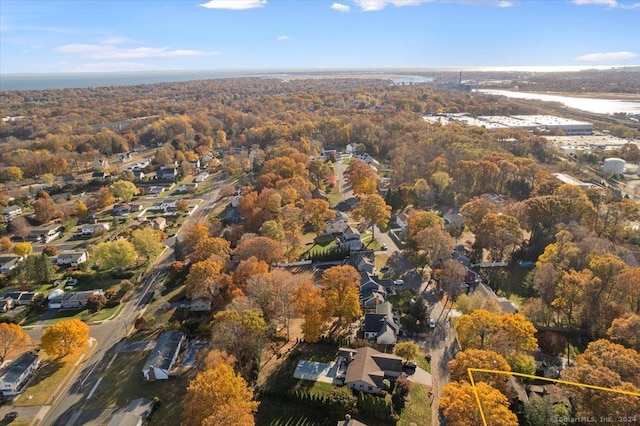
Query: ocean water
(400, 75)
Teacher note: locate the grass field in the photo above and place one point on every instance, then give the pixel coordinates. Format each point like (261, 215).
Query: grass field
(124, 382)
(52, 373)
(418, 410)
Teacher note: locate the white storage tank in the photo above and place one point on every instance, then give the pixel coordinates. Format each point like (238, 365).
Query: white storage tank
(614, 166)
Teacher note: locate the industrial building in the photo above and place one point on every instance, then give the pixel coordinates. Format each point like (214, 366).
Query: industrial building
(613, 166)
(518, 122)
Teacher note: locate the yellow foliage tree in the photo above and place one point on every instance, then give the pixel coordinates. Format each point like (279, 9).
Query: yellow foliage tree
(460, 408)
(341, 289)
(478, 358)
(11, 337)
(62, 337)
(310, 304)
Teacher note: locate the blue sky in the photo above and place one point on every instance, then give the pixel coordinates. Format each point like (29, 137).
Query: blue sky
(111, 35)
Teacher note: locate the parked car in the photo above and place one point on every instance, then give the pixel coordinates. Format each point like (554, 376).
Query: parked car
(398, 282)
(11, 416)
(384, 269)
(432, 323)
(384, 247)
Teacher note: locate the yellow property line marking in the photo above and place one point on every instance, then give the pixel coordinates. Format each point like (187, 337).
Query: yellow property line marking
(470, 371)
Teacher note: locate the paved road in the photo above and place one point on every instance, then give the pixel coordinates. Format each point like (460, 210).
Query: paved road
(67, 406)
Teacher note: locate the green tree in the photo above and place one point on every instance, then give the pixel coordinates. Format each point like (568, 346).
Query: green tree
(147, 242)
(407, 350)
(118, 255)
(124, 190)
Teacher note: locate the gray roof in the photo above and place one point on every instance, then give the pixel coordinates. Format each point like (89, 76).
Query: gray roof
(18, 367)
(166, 347)
(371, 366)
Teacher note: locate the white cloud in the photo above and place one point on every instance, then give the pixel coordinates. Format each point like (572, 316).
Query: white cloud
(373, 5)
(613, 4)
(284, 38)
(116, 40)
(233, 4)
(506, 3)
(110, 67)
(101, 51)
(340, 7)
(607, 57)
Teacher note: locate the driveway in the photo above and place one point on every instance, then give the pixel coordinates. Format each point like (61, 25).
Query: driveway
(420, 376)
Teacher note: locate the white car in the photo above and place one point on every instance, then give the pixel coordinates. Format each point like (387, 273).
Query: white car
(398, 282)
(432, 323)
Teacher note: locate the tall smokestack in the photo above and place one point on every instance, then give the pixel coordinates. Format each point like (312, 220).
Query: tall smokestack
(460, 79)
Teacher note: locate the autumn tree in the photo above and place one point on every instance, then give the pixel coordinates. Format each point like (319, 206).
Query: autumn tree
(459, 406)
(20, 227)
(407, 350)
(13, 174)
(103, 198)
(262, 248)
(626, 331)
(22, 249)
(373, 209)
(311, 305)
(475, 210)
(202, 280)
(219, 396)
(124, 190)
(96, 302)
(62, 337)
(316, 212)
(193, 234)
(274, 230)
(240, 333)
(147, 242)
(248, 268)
(45, 210)
(340, 288)
(362, 178)
(118, 255)
(484, 359)
(500, 234)
(212, 248)
(419, 220)
(12, 337)
(435, 244)
(450, 277)
(5, 244)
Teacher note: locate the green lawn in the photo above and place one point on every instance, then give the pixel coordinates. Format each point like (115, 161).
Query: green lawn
(418, 409)
(124, 382)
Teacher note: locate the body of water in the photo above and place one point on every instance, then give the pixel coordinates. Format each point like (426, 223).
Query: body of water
(598, 106)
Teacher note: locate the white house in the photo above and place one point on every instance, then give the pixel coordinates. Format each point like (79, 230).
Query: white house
(367, 368)
(163, 356)
(16, 375)
(201, 177)
(402, 220)
(91, 228)
(71, 258)
(11, 211)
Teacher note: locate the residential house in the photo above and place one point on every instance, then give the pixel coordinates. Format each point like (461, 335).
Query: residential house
(337, 225)
(367, 368)
(138, 175)
(363, 261)
(381, 326)
(71, 258)
(348, 421)
(21, 298)
(54, 300)
(44, 234)
(134, 414)
(350, 238)
(163, 356)
(318, 194)
(99, 175)
(77, 299)
(17, 373)
(168, 174)
(402, 219)
(10, 212)
(94, 228)
(159, 223)
(121, 209)
(201, 177)
(9, 263)
(371, 295)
